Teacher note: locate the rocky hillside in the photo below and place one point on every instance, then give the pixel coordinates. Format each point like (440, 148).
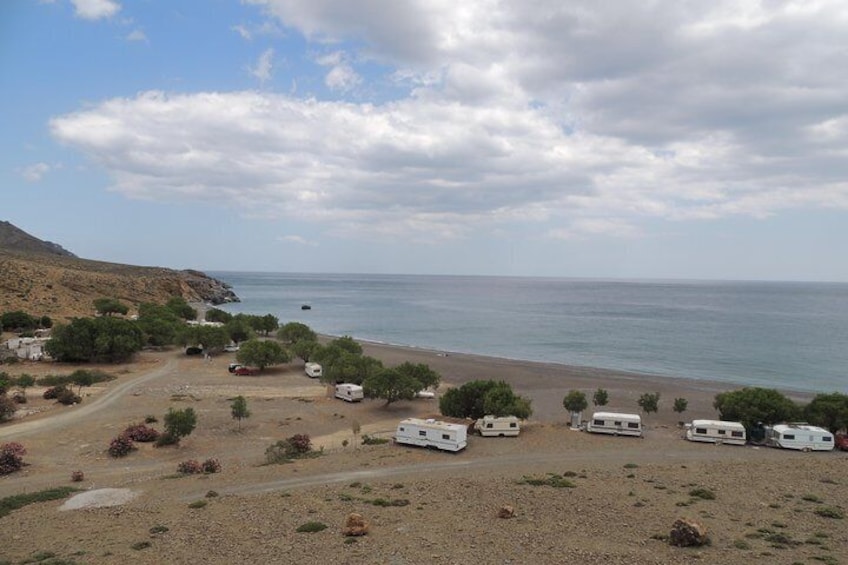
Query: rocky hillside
(42, 282)
(12, 237)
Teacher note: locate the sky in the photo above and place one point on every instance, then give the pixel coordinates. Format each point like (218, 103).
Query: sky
(671, 139)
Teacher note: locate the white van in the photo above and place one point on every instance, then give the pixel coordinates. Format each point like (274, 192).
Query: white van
(803, 437)
(314, 370)
(349, 392)
(498, 426)
(615, 424)
(432, 433)
(716, 431)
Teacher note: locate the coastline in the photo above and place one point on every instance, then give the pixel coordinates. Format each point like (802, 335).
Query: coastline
(547, 383)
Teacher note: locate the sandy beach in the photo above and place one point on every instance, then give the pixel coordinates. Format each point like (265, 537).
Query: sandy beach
(422, 506)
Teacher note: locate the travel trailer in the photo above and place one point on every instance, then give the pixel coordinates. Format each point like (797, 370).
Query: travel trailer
(492, 426)
(349, 392)
(432, 433)
(615, 424)
(803, 437)
(313, 370)
(716, 431)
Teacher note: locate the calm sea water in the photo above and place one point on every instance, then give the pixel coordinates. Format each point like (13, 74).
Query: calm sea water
(785, 335)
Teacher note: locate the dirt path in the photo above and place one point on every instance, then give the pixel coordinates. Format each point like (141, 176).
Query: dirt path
(103, 402)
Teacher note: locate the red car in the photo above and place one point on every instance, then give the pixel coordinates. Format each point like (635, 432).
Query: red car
(244, 371)
(842, 442)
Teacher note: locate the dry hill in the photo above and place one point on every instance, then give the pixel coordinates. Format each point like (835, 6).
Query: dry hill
(41, 278)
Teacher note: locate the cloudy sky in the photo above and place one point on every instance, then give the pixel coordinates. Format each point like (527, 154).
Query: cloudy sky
(658, 139)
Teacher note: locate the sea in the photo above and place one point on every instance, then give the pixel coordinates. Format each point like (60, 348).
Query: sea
(785, 335)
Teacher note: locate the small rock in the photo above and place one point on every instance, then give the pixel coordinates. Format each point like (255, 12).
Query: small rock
(506, 511)
(355, 525)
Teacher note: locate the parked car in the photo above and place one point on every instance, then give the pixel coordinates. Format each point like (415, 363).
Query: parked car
(842, 442)
(194, 350)
(233, 366)
(231, 348)
(245, 371)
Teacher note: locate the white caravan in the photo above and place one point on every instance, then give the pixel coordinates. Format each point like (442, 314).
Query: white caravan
(799, 436)
(349, 392)
(432, 433)
(716, 431)
(492, 426)
(615, 424)
(313, 370)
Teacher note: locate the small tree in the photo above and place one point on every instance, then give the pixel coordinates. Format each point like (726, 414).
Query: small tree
(109, 306)
(24, 382)
(600, 398)
(179, 424)
(680, 405)
(82, 378)
(7, 408)
(649, 402)
(239, 409)
(391, 385)
(575, 402)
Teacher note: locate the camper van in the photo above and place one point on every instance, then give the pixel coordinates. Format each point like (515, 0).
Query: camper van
(432, 433)
(313, 370)
(716, 431)
(492, 426)
(799, 436)
(615, 424)
(349, 392)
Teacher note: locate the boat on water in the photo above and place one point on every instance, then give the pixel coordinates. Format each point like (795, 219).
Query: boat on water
(305, 307)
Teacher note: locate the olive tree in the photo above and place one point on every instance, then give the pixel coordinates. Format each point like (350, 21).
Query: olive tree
(649, 402)
(262, 353)
(752, 405)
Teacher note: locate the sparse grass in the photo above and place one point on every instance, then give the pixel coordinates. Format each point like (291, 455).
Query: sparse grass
(630, 465)
(158, 529)
(10, 503)
(371, 440)
(702, 493)
(812, 498)
(741, 544)
(393, 502)
(139, 545)
(198, 504)
(550, 480)
(830, 512)
(826, 559)
(311, 527)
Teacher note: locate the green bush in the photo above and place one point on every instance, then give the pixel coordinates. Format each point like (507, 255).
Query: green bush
(702, 493)
(830, 512)
(312, 527)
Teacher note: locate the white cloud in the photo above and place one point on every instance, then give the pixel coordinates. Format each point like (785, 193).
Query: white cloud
(95, 9)
(35, 172)
(137, 35)
(580, 118)
(298, 240)
(264, 65)
(243, 32)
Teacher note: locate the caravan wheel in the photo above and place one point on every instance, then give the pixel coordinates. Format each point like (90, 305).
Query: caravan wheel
(806, 450)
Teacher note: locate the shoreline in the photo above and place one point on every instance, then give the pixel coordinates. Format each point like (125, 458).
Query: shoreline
(546, 383)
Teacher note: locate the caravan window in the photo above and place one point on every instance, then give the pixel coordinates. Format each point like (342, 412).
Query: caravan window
(445, 436)
(700, 430)
(513, 425)
(402, 429)
(827, 438)
(598, 422)
(737, 434)
(788, 436)
(632, 425)
(488, 426)
(422, 433)
(722, 432)
(618, 424)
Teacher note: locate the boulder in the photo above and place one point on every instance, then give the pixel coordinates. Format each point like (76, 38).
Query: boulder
(355, 525)
(686, 533)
